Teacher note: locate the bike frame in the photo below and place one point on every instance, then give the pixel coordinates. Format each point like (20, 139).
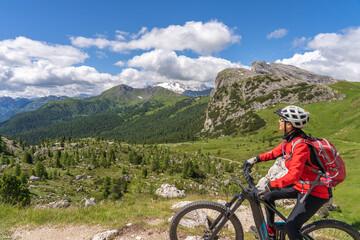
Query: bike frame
(255, 204)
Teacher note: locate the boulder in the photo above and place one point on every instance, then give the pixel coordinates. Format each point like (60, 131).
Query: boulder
(193, 219)
(90, 202)
(60, 204)
(108, 235)
(34, 179)
(169, 191)
(278, 170)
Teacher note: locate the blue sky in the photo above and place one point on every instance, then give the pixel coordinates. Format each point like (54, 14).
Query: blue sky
(71, 47)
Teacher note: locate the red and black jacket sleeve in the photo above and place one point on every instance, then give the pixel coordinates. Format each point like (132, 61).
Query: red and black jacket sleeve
(295, 165)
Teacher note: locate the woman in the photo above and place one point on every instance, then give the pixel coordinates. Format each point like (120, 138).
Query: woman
(297, 156)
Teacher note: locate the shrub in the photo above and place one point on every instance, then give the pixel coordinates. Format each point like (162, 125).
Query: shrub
(14, 191)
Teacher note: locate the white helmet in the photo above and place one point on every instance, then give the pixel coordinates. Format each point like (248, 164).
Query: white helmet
(297, 116)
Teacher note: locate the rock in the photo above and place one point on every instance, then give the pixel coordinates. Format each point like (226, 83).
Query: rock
(193, 238)
(193, 219)
(180, 205)
(90, 202)
(169, 191)
(78, 177)
(32, 187)
(108, 235)
(286, 203)
(60, 204)
(278, 170)
(34, 179)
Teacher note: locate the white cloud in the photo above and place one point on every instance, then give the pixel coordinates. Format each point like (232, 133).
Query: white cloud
(89, 42)
(24, 51)
(203, 38)
(333, 54)
(299, 42)
(171, 67)
(278, 33)
(33, 68)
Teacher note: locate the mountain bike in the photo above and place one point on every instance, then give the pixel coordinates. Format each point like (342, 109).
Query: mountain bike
(210, 220)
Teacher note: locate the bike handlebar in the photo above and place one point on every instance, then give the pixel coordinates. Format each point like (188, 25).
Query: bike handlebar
(249, 179)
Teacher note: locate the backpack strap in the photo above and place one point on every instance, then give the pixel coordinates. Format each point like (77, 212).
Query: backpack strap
(313, 185)
(292, 149)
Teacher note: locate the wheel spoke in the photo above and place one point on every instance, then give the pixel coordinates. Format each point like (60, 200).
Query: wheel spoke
(193, 223)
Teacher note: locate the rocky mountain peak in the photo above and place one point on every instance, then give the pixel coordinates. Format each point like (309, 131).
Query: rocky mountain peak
(239, 93)
(291, 71)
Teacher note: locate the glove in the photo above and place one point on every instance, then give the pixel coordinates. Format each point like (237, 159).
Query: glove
(267, 188)
(251, 161)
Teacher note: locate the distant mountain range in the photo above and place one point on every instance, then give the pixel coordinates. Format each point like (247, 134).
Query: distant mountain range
(152, 114)
(10, 106)
(185, 89)
(157, 114)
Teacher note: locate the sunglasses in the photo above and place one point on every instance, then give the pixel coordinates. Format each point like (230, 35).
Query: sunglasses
(282, 120)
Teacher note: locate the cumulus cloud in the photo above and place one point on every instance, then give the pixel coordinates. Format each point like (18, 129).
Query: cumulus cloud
(172, 67)
(333, 54)
(23, 51)
(33, 68)
(278, 33)
(203, 38)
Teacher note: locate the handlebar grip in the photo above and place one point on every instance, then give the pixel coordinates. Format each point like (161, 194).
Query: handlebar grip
(249, 179)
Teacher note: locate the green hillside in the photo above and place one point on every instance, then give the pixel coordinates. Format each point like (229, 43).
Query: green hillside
(134, 115)
(338, 121)
(123, 177)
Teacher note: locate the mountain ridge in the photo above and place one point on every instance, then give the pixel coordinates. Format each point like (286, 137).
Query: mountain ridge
(239, 93)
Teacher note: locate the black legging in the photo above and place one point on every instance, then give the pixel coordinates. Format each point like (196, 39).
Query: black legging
(299, 215)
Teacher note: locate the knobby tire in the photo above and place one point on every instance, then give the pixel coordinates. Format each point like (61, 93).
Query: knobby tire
(177, 233)
(339, 230)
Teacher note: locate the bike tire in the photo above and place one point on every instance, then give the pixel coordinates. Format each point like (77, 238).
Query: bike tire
(177, 233)
(330, 229)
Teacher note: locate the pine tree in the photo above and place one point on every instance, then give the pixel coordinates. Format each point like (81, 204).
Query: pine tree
(27, 158)
(40, 170)
(17, 169)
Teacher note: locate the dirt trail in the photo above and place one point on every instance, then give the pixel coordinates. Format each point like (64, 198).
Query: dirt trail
(133, 232)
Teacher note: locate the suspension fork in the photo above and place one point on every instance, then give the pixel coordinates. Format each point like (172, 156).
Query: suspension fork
(221, 220)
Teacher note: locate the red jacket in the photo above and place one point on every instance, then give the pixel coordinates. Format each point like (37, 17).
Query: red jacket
(297, 168)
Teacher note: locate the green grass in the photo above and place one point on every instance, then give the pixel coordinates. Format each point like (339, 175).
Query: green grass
(337, 121)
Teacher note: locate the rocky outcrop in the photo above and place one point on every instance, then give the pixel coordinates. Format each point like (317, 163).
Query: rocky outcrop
(108, 235)
(239, 93)
(169, 191)
(278, 170)
(291, 71)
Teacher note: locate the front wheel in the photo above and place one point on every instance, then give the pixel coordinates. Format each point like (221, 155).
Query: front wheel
(192, 222)
(330, 230)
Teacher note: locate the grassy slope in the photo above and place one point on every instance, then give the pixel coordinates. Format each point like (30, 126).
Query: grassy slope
(336, 121)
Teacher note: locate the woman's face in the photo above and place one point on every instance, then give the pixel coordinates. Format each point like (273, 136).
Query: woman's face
(282, 123)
